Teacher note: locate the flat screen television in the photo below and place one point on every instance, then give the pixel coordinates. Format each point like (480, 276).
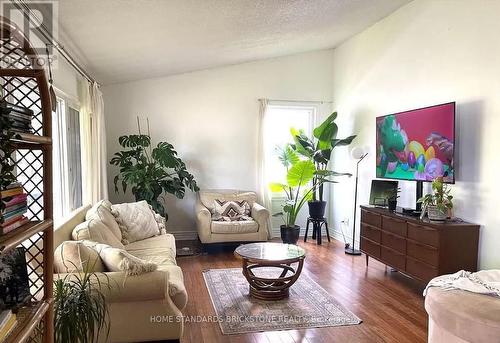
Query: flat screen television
(418, 144)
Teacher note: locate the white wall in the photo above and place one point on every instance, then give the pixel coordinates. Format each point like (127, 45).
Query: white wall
(211, 118)
(429, 52)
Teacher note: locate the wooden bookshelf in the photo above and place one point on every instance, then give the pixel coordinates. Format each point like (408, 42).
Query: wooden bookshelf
(28, 318)
(24, 83)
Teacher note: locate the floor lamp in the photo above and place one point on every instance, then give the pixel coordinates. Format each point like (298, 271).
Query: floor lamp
(358, 154)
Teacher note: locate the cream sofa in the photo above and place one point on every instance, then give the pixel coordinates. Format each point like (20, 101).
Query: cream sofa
(239, 231)
(146, 307)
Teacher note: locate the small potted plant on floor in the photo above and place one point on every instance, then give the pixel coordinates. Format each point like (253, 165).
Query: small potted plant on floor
(392, 198)
(297, 189)
(80, 309)
(438, 203)
(318, 149)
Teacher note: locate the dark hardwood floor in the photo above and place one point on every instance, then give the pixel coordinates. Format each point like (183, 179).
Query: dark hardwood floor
(390, 305)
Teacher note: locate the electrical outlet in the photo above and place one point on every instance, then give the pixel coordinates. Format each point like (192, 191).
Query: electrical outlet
(345, 221)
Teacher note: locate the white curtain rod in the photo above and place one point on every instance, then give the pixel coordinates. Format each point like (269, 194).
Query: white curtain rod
(300, 101)
(28, 13)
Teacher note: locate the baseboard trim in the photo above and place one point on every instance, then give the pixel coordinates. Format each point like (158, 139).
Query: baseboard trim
(189, 235)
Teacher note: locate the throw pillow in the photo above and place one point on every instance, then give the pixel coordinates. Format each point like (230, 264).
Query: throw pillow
(117, 260)
(136, 221)
(95, 230)
(231, 210)
(102, 211)
(76, 256)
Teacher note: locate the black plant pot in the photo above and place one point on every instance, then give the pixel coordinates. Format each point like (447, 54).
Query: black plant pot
(317, 209)
(392, 205)
(290, 235)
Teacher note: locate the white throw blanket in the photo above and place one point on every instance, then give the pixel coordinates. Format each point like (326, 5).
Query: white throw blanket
(482, 282)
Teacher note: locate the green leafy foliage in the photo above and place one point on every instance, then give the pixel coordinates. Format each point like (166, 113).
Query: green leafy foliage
(6, 163)
(319, 150)
(297, 187)
(151, 171)
(440, 196)
(80, 309)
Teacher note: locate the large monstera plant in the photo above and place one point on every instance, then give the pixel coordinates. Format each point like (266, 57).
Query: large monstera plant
(318, 149)
(151, 171)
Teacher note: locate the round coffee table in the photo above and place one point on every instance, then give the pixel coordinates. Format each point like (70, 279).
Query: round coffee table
(277, 255)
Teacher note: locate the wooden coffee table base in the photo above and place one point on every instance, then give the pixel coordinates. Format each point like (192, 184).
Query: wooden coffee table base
(271, 288)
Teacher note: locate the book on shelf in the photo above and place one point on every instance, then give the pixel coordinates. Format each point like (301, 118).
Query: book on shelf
(15, 207)
(19, 116)
(8, 321)
(11, 192)
(15, 213)
(16, 184)
(11, 221)
(6, 107)
(5, 229)
(15, 199)
(14, 282)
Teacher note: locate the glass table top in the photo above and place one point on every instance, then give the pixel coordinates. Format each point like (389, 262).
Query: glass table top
(270, 251)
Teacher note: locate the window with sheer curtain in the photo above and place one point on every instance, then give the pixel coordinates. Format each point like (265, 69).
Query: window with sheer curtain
(67, 160)
(279, 119)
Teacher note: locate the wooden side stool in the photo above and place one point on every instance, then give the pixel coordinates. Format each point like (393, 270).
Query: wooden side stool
(316, 233)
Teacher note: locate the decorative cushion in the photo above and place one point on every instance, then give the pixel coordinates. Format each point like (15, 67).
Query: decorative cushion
(95, 230)
(231, 210)
(136, 220)
(76, 256)
(102, 211)
(247, 226)
(117, 260)
(207, 197)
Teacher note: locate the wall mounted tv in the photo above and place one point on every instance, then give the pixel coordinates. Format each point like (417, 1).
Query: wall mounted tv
(418, 144)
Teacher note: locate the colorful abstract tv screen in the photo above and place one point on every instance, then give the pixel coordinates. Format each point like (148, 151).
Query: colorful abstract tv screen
(418, 144)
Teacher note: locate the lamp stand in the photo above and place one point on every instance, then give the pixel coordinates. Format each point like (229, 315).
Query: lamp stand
(351, 250)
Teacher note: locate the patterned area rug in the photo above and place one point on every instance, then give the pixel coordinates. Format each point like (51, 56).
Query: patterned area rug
(309, 305)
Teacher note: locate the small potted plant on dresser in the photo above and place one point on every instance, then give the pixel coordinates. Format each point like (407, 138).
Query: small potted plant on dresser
(438, 203)
(392, 198)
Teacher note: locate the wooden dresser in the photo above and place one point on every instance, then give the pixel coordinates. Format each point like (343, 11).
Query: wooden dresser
(418, 248)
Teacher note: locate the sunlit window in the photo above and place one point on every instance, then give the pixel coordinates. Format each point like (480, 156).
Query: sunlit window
(279, 120)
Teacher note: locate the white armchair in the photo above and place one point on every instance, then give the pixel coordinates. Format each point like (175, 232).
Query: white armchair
(210, 231)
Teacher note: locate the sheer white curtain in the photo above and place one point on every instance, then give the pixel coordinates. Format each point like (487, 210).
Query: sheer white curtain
(262, 178)
(93, 135)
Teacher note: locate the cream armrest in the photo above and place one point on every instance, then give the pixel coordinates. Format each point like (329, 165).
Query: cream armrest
(261, 215)
(123, 288)
(203, 221)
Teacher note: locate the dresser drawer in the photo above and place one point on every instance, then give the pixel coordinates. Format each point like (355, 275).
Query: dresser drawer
(394, 242)
(423, 234)
(393, 258)
(370, 232)
(420, 270)
(421, 252)
(394, 225)
(370, 248)
(370, 218)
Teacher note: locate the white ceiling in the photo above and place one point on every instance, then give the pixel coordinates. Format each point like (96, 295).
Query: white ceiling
(124, 40)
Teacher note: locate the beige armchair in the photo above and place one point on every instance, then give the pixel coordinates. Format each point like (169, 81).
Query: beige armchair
(259, 229)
